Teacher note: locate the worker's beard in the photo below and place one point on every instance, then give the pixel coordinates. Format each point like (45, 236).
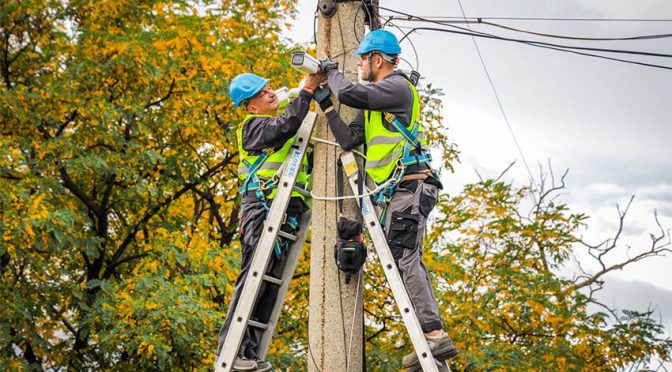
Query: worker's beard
(360, 76)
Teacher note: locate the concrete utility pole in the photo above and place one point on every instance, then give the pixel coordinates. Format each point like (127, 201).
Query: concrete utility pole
(336, 309)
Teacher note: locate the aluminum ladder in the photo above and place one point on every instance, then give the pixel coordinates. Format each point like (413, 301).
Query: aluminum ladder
(262, 255)
(427, 361)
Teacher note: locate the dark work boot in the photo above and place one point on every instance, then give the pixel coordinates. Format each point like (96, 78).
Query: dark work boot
(442, 348)
(244, 364)
(263, 366)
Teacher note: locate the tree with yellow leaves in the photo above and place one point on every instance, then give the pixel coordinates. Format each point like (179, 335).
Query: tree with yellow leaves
(118, 209)
(118, 171)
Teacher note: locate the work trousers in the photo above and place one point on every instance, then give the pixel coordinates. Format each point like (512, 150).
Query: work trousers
(405, 225)
(253, 215)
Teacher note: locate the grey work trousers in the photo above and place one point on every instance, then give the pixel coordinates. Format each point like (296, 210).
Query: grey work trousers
(253, 214)
(405, 225)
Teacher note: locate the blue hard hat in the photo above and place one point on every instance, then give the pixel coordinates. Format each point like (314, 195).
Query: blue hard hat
(379, 40)
(245, 86)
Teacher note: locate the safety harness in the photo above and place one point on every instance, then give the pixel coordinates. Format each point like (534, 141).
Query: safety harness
(259, 186)
(409, 156)
(253, 183)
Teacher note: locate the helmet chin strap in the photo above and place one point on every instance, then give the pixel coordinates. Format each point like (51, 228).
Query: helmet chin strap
(370, 79)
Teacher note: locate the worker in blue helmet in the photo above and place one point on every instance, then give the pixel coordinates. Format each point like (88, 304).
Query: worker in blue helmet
(396, 155)
(265, 138)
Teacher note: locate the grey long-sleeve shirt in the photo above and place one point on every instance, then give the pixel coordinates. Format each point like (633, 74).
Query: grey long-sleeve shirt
(263, 132)
(392, 94)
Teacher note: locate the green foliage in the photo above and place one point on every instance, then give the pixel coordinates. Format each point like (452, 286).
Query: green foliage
(118, 176)
(118, 208)
(504, 305)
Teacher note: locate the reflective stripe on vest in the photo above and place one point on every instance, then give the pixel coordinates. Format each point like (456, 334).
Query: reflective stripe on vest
(383, 147)
(272, 164)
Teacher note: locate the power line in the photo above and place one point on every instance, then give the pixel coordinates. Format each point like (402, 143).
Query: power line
(484, 34)
(630, 38)
(540, 45)
(531, 43)
(556, 36)
(417, 59)
(499, 103)
(551, 19)
(621, 51)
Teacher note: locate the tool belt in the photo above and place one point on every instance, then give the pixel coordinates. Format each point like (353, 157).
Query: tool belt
(422, 175)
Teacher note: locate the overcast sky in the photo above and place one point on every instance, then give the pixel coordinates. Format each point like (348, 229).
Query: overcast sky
(609, 123)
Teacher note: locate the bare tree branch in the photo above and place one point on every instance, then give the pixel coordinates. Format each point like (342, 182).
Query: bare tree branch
(164, 98)
(599, 252)
(130, 237)
(70, 185)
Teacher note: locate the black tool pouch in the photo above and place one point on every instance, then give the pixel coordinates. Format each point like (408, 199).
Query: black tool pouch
(349, 252)
(403, 233)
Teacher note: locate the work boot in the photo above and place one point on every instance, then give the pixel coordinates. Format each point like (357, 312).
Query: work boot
(442, 348)
(243, 364)
(262, 365)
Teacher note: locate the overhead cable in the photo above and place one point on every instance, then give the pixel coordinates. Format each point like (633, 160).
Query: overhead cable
(541, 45)
(501, 107)
(491, 36)
(552, 19)
(417, 59)
(555, 36)
(532, 43)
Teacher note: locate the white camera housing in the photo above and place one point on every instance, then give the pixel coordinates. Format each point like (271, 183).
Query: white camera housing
(305, 62)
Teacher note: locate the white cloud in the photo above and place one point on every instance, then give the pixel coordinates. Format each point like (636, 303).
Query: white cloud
(639, 296)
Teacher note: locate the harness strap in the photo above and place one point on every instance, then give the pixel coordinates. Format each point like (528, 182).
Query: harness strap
(254, 167)
(411, 143)
(399, 126)
(281, 243)
(252, 182)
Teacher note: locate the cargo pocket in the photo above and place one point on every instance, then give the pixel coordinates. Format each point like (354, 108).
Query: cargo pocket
(428, 199)
(403, 233)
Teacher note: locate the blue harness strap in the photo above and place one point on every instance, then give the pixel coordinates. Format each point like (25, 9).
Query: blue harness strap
(283, 244)
(411, 137)
(252, 182)
(411, 142)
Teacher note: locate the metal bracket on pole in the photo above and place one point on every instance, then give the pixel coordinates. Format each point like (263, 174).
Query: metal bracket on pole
(327, 8)
(371, 14)
(370, 7)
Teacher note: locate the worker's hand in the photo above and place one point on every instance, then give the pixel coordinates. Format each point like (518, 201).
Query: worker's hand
(326, 65)
(321, 96)
(312, 81)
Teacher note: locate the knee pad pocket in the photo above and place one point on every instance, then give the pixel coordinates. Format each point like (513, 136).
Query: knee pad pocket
(403, 233)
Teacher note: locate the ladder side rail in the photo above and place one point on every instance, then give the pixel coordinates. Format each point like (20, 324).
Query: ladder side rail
(264, 247)
(290, 267)
(390, 268)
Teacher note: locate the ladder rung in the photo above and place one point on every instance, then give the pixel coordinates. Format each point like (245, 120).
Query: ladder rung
(287, 236)
(301, 191)
(273, 280)
(255, 324)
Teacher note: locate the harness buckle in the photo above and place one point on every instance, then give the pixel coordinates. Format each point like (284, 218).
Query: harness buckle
(268, 184)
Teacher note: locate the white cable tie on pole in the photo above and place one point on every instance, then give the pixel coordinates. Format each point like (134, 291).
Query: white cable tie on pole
(369, 193)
